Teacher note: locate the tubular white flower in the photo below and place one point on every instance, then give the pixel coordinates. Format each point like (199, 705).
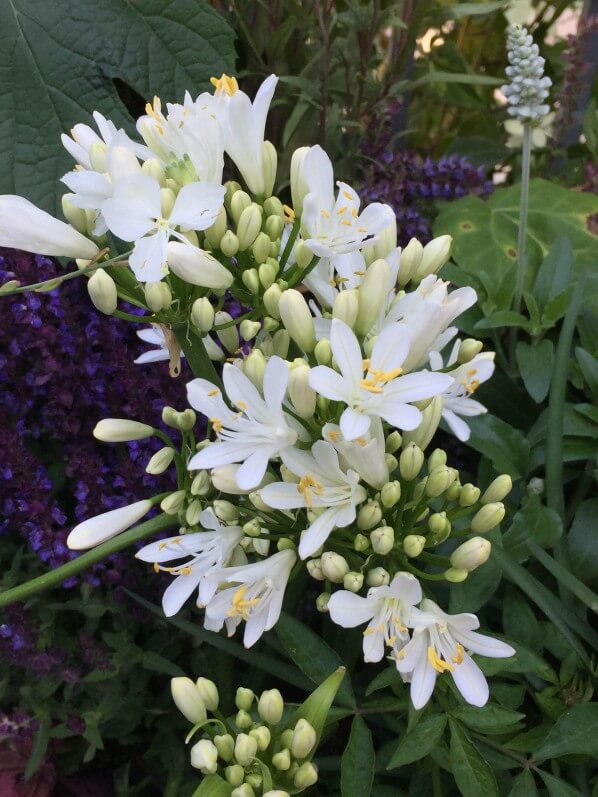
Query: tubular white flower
(257, 432)
(134, 213)
(364, 454)
(439, 644)
(335, 226)
(388, 610)
(199, 553)
(27, 227)
(83, 138)
(197, 267)
(103, 527)
(256, 597)
(374, 387)
(322, 485)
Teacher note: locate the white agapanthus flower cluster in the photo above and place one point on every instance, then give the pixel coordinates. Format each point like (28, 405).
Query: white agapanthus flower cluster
(334, 380)
(528, 87)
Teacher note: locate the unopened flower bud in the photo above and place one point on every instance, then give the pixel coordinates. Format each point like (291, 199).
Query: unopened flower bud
(244, 790)
(411, 461)
(217, 230)
(393, 442)
(192, 513)
(251, 280)
(270, 163)
(383, 540)
(361, 542)
(188, 700)
(471, 554)
(377, 577)
(274, 226)
(121, 430)
(254, 779)
(306, 776)
(254, 366)
(225, 511)
(97, 156)
(469, 495)
(411, 257)
(277, 793)
(234, 774)
(262, 736)
(270, 706)
(157, 296)
(369, 516)
(413, 545)
(487, 518)
(296, 317)
(261, 249)
(75, 216)
(322, 602)
(204, 756)
(428, 426)
(229, 244)
(454, 491)
(249, 226)
(392, 463)
(323, 352)
(286, 738)
(245, 749)
(273, 207)
(102, 291)
(160, 461)
(334, 566)
(282, 760)
(186, 420)
(436, 459)
(301, 394)
(208, 692)
(200, 484)
(314, 568)
(455, 576)
(239, 202)
(353, 581)
(202, 315)
(225, 744)
(228, 336)
(299, 186)
(468, 349)
(272, 299)
(390, 494)
(258, 502)
(439, 480)
(267, 273)
(434, 256)
(303, 254)
(304, 739)
(498, 489)
(372, 293)
(231, 188)
(281, 341)
(386, 240)
(249, 329)
(243, 720)
(346, 307)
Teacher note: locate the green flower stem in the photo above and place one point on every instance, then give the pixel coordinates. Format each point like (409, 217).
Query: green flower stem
(57, 576)
(289, 245)
(196, 354)
(523, 210)
(564, 577)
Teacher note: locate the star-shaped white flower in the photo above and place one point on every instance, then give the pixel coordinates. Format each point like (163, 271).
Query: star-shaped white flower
(256, 432)
(366, 454)
(439, 644)
(387, 608)
(374, 387)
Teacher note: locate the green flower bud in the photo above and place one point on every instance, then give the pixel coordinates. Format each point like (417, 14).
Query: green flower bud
(256, 500)
(200, 484)
(225, 511)
(372, 293)
(299, 187)
(169, 417)
(121, 430)
(436, 459)
(297, 318)
(273, 207)
(353, 581)
(251, 280)
(231, 188)
(334, 566)
(254, 366)
(239, 202)
(361, 542)
(252, 528)
(254, 779)
(229, 244)
(277, 793)
(377, 577)
(270, 706)
(261, 249)
(369, 515)
(229, 336)
(411, 461)
(286, 738)
(167, 200)
(304, 739)
(245, 749)
(468, 350)
(208, 692)
(262, 736)
(217, 230)
(469, 495)
(270, 163)
(161, 460)
(314, 568)
(281, 341)
(369, 254)
(411, 257)
(392, 463)
(498, 489)
(272, 300)
(303, 254)
(439, 480)
(245, 790)
(235, 774)
(455, 576)
(186, 420)
(204, 756)
(243, 720)
(193, 512)
(225, 744)
(173, 503)
(249, 226)
(390, 494)
(434, 256)
(413, 545)
(274, 226)
(487, 518)
(154, 168)
(267, 273)
(282, 761)
(102, 291)
(383, 540)
(536, 486)
(244, 697)
(249, 329)
(285, 544)
(454, 491)
(188, 700)
(322, 602)
(437, 523)
(301, 394)
(393, 442)
(306, 776)
(428, 426)
(323, 352)
(202, 315)
(386, 240)
(471, 554)
(346, 307)
(75, 216)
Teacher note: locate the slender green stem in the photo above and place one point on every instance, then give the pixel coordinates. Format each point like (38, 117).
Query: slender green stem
(289, 244)
(521, 259)
(58, 575)
(564, 577)
(196, 354)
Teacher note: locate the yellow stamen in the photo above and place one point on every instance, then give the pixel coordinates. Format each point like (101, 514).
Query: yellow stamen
(307, 483)
(354, 213)
(458, 657)
(325, 213)
(289, 213)
(399, 625)
(370, 386)
(225, 84)
(242, 405)
(361, 229)
(361, 441)
(439, 664)
(347, 223)
(334, 436)
(213, 392)
(156, 567)
(342, 210)
(217, 424)
(241, 607)
(347, 195)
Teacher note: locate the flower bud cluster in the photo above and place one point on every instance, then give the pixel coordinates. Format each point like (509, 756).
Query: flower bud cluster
(528, 87)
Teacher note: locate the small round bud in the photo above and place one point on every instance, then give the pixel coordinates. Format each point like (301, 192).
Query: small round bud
(454, 491)
(390, 494)
(286, 738)
(186, 420)
(249, 329)
(225, 744)
(323, 352)
(157, 296)
(436, 459)
(303, 254)
(285, 544)
(455, 576)
(245, 749)
(225, 511)
(393, 442)
(273, 207)
(471, 554)
(121, 430)
(102, 291)
(334, 566)
(272, 300)
(204, 756)
(208, 692)
(383, 540)
(469, 495)
(174, 502)
(160, 461)
(468, 349)
(188, 700)
(202, 315)
(235, 774)
(254, 779)
(487, 518)
(253, 528)
(411, 461)
(282, 760)
(306, 776)
(536, 486)
(377, 577)
(322, 602)
(270, 706)
(243, 720)
(244, 698)
(261, 249)
(369, 515)
(353, 581)
(392, 463)
(314, 568)
(413, 545)
(437, 522)
(254, 367)
(267, 273)
(274, 226)
(262, 736)
(439, 480)
(498, 490)
(304, 739)
(229, 244)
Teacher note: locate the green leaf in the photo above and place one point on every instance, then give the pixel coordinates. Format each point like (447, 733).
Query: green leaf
(554, 275)
(472, 774)
(535, 365)
(524, 661)
(504, 446)
(40, 745)
(311, 654)
(316, 707)
(492, 718)
(503, 318)
(358, 761)
(473, 9)
(589, 368)
(576, 731)
(582, 541)
(534, 522)
(385, 678)
(213, 786)
(523, 785)
(418, 742)
(471, 79)
(156, 663)
(59, 61)
(557, 787)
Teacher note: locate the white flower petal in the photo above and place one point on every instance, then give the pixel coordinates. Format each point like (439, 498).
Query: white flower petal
(148, 260)
(470, 681)
(354, 424)
(349, 610)
(197, 205)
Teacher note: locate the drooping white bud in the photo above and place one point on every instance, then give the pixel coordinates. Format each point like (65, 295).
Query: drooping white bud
(204, 756)
(471, 554)
(103, 527)
(301, 394)
(121, 430)
(102, 291)
(304, 739)
(187, 699)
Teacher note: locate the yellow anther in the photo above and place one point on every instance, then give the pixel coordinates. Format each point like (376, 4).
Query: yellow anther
(370, 386)
(241, 607)
(334, 436)
(346, 222)
(399, 625)
(458, 657)
(217, 424)
(359, 273)
(439, 664)
(156, 567)
(365, 364)
(185, 571)
(391, 641)
(347, 195)
(361, 229)
(154, 109)
(289, 213)
(325, 213)
(342, 210)
(308, 485)
(354, 213)
(213, 392)
(225, 84)
(361, 441)
(242, 405)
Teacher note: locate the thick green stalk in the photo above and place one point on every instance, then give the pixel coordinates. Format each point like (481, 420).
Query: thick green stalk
(196, 354)
(523, 210)
(55, 577)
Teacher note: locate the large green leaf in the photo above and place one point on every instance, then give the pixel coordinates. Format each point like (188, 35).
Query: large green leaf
(419, 741)
(59, 61)
(472, 773)
(576, 731)
(358, 761)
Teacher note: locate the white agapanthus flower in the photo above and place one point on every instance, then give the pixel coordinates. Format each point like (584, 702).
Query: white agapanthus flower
(323, 487)
(85, 145)
(256, 432)
(366, 454)
(457, 400)
(440, 643)
(134, 213)
(256, 596)
(198, 553)
(333, 225)
(386, 609)
(428, 312)
(374, 386)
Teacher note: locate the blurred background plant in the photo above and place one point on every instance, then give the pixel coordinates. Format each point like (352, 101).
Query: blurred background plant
(404, 97)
